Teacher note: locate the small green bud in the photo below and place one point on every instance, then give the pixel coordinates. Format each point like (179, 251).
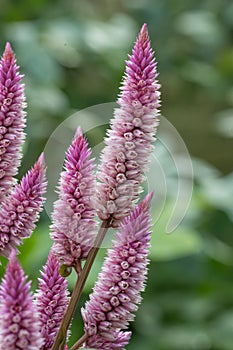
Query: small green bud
(65, 270)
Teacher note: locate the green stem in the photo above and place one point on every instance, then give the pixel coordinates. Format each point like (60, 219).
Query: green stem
(79, 342)
(76, 294)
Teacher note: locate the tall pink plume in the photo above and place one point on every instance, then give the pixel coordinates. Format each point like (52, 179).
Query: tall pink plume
(129, 141)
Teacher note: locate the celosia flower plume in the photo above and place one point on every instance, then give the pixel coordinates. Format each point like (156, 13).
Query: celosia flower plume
(20, 210)
(19, 322)
(43, 323)
(74, 228)
(117, 292)
(129, 143)
(51, 300)
(12, 119)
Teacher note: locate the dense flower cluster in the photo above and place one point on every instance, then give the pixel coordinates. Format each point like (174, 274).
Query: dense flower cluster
(74, 227)
(20, 210)
(19, 322)
(122, 279)
(43, 323)
(51, 301)
(12, 119)
(129, 143)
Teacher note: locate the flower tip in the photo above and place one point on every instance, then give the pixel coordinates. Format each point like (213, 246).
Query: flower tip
(145, 203)
(8, 52)
(143, 35)
(150, 195)
(39, 168)
(40, 164)
(41, 160)
(78, 132)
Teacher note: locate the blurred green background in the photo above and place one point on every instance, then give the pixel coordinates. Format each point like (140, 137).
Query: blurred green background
(72, 54)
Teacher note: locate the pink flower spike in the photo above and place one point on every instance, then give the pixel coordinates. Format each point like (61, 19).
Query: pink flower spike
(12, 120)
(19, 322)
(74, 228)
(117, 292)
(21, 208)
(126, 155)
(51, 300)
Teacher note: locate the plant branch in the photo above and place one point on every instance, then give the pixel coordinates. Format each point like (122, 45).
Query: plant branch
(76, 294)
(79, 342)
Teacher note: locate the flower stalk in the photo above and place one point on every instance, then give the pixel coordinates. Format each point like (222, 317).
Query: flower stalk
(79, 342)
(76, 294)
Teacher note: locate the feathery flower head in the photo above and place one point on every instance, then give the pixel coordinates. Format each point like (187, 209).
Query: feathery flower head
(74, 228)
(51, 301)
(117, 291)
(19, 323)
(12, 119)
(129, 143)
(20, 210)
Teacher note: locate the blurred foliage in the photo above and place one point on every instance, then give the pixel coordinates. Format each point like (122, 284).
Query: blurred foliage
(72, 54)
